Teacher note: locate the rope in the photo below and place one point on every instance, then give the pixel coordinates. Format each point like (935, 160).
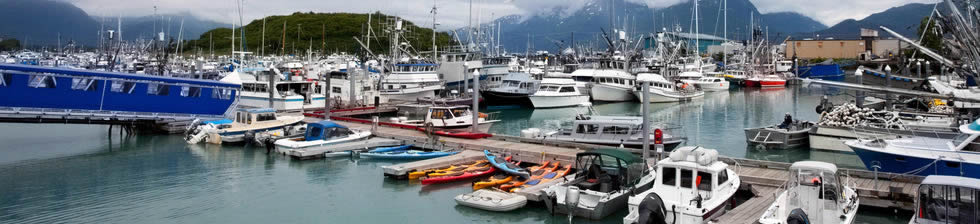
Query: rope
(923, 168)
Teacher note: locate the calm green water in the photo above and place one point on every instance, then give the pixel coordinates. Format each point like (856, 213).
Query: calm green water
(55, 173)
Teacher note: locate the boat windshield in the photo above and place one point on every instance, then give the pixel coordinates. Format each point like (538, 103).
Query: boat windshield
(548, 88)
(511, 83)
(947, 204)
(960, 139)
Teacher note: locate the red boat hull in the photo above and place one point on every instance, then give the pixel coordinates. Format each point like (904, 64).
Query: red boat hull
(772, 83)
(751, 83)
(465, 176)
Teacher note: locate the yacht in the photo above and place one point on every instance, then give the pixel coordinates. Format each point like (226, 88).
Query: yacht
(947, 199)
(451, 117)
(604, 180)
(815, 194)
(558, 93)
(321, 135)
(292, 92)
(247, 122)
(692, 183)
(409, 82)
(663, 91)
(626, 131)
(513, 89)
(917, 155)
(611, 82)
(712, 84)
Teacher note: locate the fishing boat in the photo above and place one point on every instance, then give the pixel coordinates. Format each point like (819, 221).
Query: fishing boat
(513, 90)
(247, 122)
(321, 135)
(783, 136)
(712, 84)
(815, 194)
(409, 82)
(663, 91)
(292, 90)
(601, 186)
(611, 82)
(626, 131)
(492, 200)
(450, 117)
(917, 155)
(947, 199)
(554, 93)
(692, 182)
(504, 165)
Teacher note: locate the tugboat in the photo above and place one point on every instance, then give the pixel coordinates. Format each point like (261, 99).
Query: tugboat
(247, 123)
(604, 180)
(692, 183)
(814, 194)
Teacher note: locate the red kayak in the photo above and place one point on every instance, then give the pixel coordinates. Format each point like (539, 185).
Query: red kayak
(469, 173)
(458, 133)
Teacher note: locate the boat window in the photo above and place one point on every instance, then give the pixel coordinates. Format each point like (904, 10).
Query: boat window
(587, 129)
(723, 177)
(669, 176)
(962, 205)
(42, 81)
(391, 87)
(265, 117)
(188, 91)
(441, 114)
(4, 79)
(567, 89)
(157, 89)
(960, 139)
(122, 87)
(222, 94)
(335, 89)
(616, 130)
(621, 81)
(687, 178)
(403, 86)
(248, 119)
(238, 117)
(367, 88)
(83, 84)
(704, 181)
(459, 112)
(316, 132)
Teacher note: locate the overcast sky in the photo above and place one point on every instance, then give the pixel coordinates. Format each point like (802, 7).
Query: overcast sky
(454, 13)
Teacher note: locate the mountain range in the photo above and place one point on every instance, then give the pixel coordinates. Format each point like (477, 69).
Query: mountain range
(43, 21)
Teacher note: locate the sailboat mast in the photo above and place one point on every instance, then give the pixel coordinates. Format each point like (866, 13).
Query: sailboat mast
(434, 52)
(724, 51)
(263, 37)
(697, 37)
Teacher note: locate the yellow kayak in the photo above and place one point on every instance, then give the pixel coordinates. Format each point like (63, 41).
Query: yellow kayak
(460, 169)
(493, 181)
(426, 172)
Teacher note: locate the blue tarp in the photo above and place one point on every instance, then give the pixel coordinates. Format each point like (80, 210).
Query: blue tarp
(826, 72)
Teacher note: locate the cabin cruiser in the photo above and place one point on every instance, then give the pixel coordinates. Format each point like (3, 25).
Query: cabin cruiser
(712, 84)
(604, 180)
(947, 199)
(247, 123)
(451, 117)
(623, 131)
(692, 183)
(663, 91)
(514, 89)
(292, 91)
(320, 135)
(610, 82)
(409, 82)
(558, 93)
(917, 155)
(815, 194)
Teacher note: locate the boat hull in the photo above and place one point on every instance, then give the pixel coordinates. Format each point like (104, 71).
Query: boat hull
(558, 101)
(662, 97)
(912, 163)
(773, 138)
(609, 93)
(505, 98)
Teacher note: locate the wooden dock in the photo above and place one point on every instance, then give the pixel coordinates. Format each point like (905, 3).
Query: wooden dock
(401, 170)
(889, 191)
(749, 211)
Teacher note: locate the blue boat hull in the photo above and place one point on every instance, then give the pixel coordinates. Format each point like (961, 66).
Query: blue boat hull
(406, 156)
(899, 163)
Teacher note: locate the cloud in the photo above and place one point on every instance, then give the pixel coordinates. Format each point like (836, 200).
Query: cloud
(831, 12)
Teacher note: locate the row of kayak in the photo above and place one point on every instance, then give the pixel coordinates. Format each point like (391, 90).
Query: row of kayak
(402, 152)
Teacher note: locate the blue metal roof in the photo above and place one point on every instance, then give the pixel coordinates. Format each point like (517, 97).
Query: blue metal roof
(115, 75)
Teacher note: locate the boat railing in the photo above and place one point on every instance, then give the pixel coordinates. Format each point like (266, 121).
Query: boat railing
(100, 113)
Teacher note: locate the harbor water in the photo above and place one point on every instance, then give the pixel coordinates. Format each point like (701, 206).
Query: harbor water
(53, 173)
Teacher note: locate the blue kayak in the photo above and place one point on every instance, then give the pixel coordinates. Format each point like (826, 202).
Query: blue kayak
(504, 165)
(392, 149)
(406, 154)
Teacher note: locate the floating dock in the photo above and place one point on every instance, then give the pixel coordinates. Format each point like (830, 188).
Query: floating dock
(401, 170)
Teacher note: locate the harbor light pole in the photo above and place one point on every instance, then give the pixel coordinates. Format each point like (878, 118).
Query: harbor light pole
(646, 123)
(476, 101)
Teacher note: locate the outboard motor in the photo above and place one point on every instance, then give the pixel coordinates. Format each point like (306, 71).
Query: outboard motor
(652, 210)
(797, 216)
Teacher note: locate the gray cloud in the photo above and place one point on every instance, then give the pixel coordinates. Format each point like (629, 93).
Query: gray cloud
(455, 13)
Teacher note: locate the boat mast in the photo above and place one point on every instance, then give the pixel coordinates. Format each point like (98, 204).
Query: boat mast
(434, 52)
(283, 45)
(697, 38)
(724, 51)
(263, 37)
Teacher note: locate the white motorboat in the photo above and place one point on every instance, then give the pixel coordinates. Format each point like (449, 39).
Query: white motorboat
(947, 199)
(692, 182)
(815, 194)
(320, 135)
(712, 84)
(492, 200)
(558, 93)
(514, 89)
(959, 156)
(610, 82)
(409, 82)
(663, 91)
(247, 123)
(623, 131)
(451, 117)
(292, 91)
(603, 182)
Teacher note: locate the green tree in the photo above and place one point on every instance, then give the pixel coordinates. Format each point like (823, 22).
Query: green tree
(9, 45)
